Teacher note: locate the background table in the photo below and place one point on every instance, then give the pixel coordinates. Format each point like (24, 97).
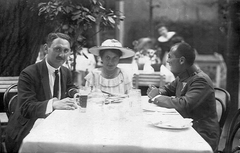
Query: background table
(112, 128)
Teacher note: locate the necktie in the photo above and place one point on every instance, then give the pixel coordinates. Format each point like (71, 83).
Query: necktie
(56, 85)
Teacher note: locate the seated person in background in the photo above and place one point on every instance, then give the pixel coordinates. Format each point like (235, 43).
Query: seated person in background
(109, 77)
(141, 47)
(153, 57)
(38, 92)
(191, 93)
(152, 62)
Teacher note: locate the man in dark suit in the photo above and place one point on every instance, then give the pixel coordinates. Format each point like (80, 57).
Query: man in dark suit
(42, 88)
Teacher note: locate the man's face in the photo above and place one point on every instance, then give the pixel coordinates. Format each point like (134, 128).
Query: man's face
(110, 60)
(58, 52)
(174, 61)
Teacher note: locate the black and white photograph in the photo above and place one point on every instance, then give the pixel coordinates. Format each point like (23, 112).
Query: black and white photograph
(119, 76)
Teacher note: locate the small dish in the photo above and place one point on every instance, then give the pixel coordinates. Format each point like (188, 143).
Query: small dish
(155, 108)
(176, 124)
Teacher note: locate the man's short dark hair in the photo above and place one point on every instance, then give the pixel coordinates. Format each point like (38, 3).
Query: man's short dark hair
(185, 50)
(52, 36)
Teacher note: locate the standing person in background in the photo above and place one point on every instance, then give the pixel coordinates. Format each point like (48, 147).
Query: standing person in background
(85, 62)
(41, 54)
(110, 78)
(165, 41)
(42, 88)
(191, 93)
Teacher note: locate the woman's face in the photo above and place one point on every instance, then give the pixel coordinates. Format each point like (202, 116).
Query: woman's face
(110, 60)
(162, 31)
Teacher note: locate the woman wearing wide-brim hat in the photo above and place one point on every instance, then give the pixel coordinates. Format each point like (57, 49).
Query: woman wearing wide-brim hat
(110, 78)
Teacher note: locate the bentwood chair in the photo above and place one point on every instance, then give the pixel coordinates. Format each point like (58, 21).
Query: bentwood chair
(12, 105)
(146, 79)
(1, 146)
(232, 131)
(9, 99)
(223, 99)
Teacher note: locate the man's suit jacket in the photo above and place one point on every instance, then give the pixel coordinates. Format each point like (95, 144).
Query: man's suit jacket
(33, 95)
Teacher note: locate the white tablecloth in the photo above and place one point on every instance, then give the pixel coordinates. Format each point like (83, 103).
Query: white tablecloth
(3, 117)
(112, 128)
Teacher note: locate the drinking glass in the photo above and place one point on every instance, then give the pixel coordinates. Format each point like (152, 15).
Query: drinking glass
(135, 100)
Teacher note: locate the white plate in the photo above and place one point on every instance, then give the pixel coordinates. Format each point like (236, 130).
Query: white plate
(155, 108)
(176, 124)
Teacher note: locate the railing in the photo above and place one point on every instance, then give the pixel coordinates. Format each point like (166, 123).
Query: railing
(214, 66)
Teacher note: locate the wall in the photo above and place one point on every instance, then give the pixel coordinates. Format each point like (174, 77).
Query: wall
(138, 10)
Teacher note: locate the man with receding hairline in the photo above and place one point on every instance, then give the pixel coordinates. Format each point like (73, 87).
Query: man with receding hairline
(42, 88)
(191, 93)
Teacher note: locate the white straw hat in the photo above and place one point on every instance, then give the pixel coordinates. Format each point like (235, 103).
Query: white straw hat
(112, 44)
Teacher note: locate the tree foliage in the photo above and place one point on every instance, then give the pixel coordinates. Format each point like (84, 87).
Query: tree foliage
(75, 17)
(21, 34)
(25, 23)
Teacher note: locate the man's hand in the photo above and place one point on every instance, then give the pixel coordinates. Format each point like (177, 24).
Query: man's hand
(152, 92)
(66, 103)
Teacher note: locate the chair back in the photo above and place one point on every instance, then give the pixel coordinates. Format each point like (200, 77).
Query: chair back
(10, 92)
(223, 99)
(232, 131)
(1, 135)
(220, 109)
(12, 105)
(146, 79)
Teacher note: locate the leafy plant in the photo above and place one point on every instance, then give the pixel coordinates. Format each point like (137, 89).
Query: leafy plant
(75, 17)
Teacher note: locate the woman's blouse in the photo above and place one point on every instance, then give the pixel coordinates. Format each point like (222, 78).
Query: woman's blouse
(120, 84)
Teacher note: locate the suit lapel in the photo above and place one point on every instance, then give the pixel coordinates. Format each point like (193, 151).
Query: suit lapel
(45, 80)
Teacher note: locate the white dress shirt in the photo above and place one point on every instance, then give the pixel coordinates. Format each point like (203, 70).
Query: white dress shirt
(51, 76)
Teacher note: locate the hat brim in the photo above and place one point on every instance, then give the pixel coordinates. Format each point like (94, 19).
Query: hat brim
(126, 52)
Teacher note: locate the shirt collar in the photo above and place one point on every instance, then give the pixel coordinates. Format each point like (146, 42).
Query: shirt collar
(50, 68)
(191, 71)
